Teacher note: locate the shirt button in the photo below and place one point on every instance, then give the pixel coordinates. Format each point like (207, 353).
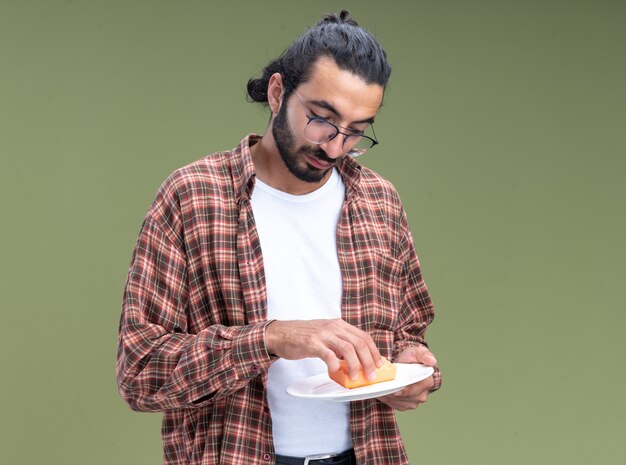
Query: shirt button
(266, 456)
(255, 368)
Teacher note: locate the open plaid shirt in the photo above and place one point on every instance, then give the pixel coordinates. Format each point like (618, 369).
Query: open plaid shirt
(191, 340)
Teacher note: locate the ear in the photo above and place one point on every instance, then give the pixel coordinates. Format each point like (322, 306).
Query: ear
(275, 89)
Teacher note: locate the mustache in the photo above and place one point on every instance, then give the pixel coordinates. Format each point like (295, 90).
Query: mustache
(317, 153)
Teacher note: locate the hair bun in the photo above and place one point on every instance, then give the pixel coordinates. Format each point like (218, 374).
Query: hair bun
(343, 18)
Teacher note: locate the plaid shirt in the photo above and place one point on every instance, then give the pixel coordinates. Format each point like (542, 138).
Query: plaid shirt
(191, 341)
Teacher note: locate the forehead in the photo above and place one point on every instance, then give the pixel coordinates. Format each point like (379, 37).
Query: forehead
(348, 93)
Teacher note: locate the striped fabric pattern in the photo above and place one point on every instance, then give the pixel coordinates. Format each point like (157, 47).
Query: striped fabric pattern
(191, 336)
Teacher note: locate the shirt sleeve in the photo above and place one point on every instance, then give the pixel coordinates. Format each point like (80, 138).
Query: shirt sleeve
(417, 310)
(160, 365)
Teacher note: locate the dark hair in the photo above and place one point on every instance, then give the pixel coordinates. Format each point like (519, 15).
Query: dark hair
(339, 37)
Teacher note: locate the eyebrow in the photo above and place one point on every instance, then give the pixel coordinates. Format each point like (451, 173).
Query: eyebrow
(329, 107)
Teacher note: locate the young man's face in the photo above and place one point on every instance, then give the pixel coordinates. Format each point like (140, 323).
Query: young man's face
(335, 95)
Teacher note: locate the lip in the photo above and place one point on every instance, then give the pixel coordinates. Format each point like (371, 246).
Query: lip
(320, 165)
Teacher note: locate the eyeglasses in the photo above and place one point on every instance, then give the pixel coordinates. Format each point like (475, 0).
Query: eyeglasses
(319, 130)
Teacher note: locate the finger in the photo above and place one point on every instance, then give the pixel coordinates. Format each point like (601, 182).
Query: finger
(401, 405)
(410, 391)
(424, 385)
(330, 358)
(367, 353)
(346, 351)
(403, 401)
(354, 346)
(418, 391)
(416, 395)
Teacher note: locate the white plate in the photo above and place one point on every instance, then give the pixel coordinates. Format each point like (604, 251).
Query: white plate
(321, 387)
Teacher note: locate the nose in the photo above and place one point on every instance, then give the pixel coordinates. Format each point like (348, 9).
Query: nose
(334, 147)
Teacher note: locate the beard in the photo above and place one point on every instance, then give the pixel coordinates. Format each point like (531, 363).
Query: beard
(294, 157)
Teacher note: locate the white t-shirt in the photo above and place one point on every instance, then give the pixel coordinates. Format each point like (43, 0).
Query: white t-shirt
(298, 235)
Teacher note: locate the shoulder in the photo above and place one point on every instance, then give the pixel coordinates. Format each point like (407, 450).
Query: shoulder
(203, 183)
(208, 177)
(212, 172)
(378, 190)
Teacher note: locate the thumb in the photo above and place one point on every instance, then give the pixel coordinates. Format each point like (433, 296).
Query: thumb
(417, 354)
(427, 358)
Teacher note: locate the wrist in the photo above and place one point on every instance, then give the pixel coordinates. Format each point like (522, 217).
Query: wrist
(269, 338)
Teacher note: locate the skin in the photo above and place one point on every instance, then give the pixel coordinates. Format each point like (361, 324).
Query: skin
(353, 99)
(413, 395)
(285, 160)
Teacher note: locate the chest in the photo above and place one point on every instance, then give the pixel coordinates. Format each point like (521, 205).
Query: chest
(228, 282)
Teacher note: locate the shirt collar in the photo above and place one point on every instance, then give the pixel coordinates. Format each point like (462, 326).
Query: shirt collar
(244, 172)
(350, 171)
(242, 167)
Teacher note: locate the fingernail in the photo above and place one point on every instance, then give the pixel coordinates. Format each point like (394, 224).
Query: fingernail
(372, 376)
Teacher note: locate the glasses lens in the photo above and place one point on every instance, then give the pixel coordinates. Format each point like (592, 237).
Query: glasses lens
(319, 131)
(358, 145)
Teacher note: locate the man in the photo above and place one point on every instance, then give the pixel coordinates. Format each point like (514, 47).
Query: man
(264, 265)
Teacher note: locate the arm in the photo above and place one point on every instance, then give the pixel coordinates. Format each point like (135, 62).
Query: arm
(416, 313)
(416, 310)
(160, 365)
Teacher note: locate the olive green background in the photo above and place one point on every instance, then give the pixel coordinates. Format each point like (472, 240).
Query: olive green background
(503, 130)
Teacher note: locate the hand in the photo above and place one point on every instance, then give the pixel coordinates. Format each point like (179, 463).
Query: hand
(411, 396)
(329, 340)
